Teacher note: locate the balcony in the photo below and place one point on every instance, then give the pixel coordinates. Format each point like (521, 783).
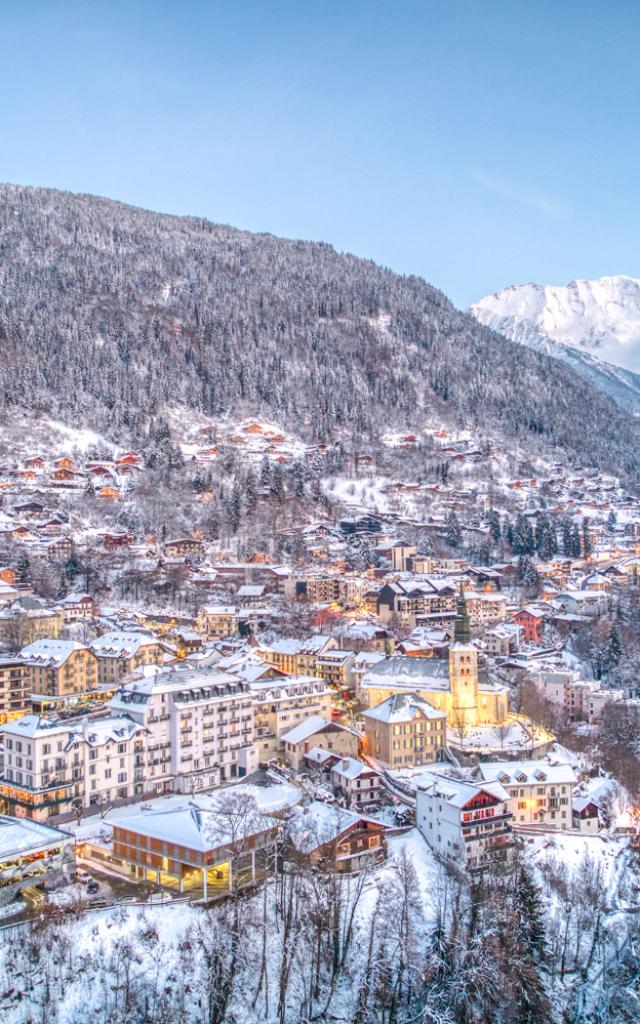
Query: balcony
(506, 830)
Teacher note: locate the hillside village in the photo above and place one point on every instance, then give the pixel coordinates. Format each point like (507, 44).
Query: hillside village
(445, 665)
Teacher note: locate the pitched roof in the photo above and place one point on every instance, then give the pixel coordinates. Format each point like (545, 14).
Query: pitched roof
(403, 707)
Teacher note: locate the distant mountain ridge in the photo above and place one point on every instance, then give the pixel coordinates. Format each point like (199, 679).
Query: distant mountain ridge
(110, 315)
(594, 326)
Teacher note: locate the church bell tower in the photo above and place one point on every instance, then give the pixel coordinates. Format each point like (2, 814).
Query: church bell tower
(463, 670)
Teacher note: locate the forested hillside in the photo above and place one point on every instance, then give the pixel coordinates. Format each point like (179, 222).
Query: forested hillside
(111, 314)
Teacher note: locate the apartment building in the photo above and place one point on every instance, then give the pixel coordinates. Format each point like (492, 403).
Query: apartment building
(215, 621)
(60, 668)
(404, 731)
(51, 767)
(298, 657)
(281, 704)
(15, 688)
(121, 653)
(539, 792)
(467, 823)
(335, 667)
(199, 726)
(485, 609)
(416, 600)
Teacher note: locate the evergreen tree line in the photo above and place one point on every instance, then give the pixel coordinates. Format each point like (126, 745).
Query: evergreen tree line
(110, 316)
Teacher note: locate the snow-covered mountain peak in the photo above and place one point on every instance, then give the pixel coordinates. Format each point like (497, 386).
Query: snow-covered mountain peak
(599, 317)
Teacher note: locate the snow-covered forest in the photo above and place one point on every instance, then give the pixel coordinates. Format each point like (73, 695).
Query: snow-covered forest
(550, 941)
(110, 314)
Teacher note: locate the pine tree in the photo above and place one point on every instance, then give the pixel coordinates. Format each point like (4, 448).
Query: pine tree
(250, 492)
(523, 539)
(586, 539)
(531, 912)
(265, 473)
(493, 521)
(277, 485)
(453, 531)
(22, 567)
(545, 538)
(612, 651)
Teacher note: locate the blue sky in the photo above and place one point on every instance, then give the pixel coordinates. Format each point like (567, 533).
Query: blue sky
(477, 144)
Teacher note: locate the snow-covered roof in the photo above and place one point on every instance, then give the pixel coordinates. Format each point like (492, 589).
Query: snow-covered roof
(50, 653)
(458, 793)
(413, 673)
(350, 768)
(207, 821)
(20, 836)
(318, 823)
(121, 644)
(403, 707)
(310, 726)
(527, 773)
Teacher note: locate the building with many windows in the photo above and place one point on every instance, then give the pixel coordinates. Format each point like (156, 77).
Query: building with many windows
(15, 688)
(121, 653)
(465, 822)
(539, 792)
(199, 724)
(404, 731)
(60, 668)
(52, 767)
(281, 704)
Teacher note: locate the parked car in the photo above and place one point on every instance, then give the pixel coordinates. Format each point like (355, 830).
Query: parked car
(159, 897)
(83, 876)
(93, 886)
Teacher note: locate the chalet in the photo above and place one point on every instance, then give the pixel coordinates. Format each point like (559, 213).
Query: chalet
(118, 540)
(109, 493)
(336, 839)
(183, 547)
(60, 547)
(586, 814)
(35, 463)
(78, 607)
(29, 510)
(591, 603)
(129, 459)
(356, 782)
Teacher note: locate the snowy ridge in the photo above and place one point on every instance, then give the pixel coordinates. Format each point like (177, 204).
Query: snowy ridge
(594, 326)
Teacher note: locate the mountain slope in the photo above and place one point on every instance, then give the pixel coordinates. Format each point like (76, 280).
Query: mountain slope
(594, 326)
(110, 314)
